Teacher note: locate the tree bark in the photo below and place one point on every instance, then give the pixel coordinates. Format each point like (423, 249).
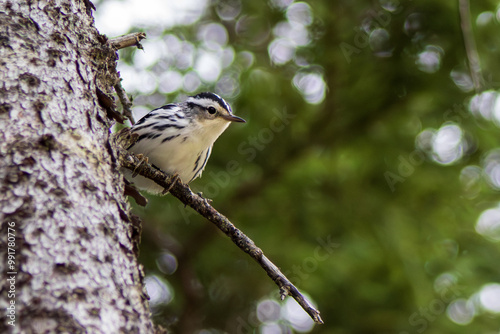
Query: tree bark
(68, 260)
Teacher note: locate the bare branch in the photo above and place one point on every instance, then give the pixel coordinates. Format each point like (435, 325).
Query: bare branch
(470, 45)
(203, 207)
(124, 41)
(121, 42)
(124, 100)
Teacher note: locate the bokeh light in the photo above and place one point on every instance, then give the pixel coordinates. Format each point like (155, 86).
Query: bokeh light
(281, 4)
(268, 311)
(213, 36)
(281, 51)
(461, 311)
(291, 34)
(390, 5)
(296, 316)
(140, 81)
(191, 82)
(299, 13)
(448, 144)
(430, 60)
(413, 24)
(208, 66)
(483, 104)
(379, 41)
(228, 10)
(471, 177)
(311, 86)
(167, 263)
(159, 291)
(491, 167)
(462, 80)
(444, 281)
(116, 17)
(489, 296)
(253, 30)
(488, 224)
(274, 328)
(485, 18)
(170, 81)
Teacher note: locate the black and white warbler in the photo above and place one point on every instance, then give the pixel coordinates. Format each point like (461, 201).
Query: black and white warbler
(178, 137)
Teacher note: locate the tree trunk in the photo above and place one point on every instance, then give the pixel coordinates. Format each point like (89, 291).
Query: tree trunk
(67, 241)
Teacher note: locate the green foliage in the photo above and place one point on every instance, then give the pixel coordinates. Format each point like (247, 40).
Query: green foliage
(380, 168)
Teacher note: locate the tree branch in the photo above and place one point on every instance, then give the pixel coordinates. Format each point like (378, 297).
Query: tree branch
(124, 41)
(470, 45)
(203, 207)
(125, 102)
(121, 42)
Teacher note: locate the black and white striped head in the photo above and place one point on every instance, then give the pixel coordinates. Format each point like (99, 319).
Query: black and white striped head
(208, 106)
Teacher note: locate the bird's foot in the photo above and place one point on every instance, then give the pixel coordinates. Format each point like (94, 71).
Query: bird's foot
(142, 159)
(173, 180)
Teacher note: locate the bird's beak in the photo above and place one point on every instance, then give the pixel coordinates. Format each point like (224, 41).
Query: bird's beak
(232, 118)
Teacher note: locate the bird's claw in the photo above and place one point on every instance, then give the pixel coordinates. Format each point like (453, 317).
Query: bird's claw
(142, 159)
(173, 180)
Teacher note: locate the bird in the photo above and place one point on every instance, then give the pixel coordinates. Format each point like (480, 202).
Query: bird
(178, 137)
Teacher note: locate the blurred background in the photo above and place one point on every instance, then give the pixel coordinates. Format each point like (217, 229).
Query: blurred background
(368, 169)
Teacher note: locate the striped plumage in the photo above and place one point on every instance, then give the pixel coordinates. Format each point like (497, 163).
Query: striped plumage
(178, 138)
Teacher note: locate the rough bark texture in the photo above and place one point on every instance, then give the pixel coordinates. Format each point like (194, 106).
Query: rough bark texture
(60, 189)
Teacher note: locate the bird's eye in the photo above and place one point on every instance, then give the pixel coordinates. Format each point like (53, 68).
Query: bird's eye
(211, 110)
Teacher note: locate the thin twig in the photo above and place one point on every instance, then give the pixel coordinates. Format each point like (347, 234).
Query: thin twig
(203, 207)
(470, 45)
(121, 42)
(124, 100)
(124, 41)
